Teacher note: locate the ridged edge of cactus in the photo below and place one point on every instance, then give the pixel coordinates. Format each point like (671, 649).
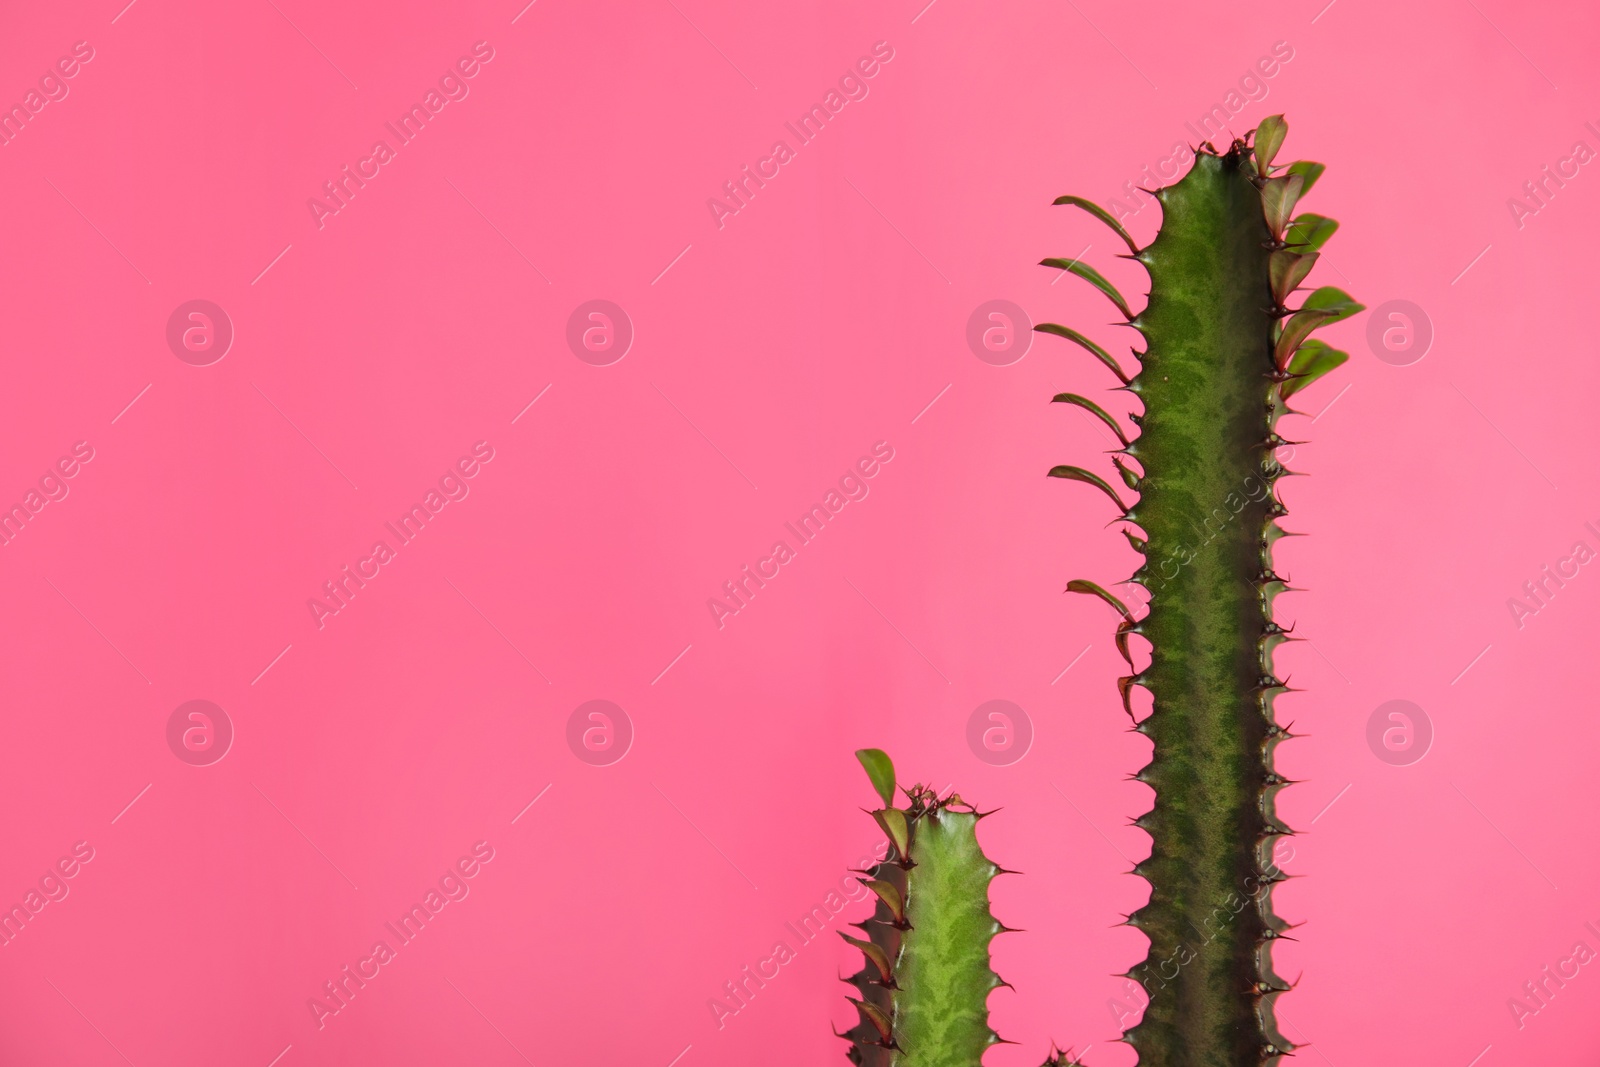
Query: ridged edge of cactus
(922, 992)
(1223, 354)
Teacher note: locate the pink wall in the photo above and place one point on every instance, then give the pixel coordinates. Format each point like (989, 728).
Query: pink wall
(371, 754)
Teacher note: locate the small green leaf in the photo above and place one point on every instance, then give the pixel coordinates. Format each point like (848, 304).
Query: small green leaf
(879, 768)
(1078, 474)
(1308, 170)
(1296, 328)
(875, 953)
(1077, 338)
(1288, 270)
(1269, 138)
(1094, 278)
(893, 823)
(1100, 213)
(872, 1014)
(889, 895)
(1312, 361)
(1083, 585)
(1094, 409)
(1309, 233)
(1278, 198)
(1331, 298)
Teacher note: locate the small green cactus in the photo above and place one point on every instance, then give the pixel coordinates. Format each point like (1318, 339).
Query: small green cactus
(1223, 354)
(924, 988)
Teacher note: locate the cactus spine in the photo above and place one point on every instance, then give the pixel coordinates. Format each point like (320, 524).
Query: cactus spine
(924, 988)
(1223, 353)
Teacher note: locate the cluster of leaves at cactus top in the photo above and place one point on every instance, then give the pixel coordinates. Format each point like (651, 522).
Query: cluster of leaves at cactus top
(1224, 352)
(922, 993)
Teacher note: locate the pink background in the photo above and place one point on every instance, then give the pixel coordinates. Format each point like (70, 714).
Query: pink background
(822, 318)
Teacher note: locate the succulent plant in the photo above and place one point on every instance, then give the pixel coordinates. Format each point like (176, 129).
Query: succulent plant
(1223, 354)
(923, 991)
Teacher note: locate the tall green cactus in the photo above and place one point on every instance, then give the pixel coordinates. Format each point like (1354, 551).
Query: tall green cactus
(1223, 353)
(925, 985)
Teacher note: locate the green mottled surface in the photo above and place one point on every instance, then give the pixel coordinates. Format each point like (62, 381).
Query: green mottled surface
(937, 998)
(1206, 507)
(942, 1015)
